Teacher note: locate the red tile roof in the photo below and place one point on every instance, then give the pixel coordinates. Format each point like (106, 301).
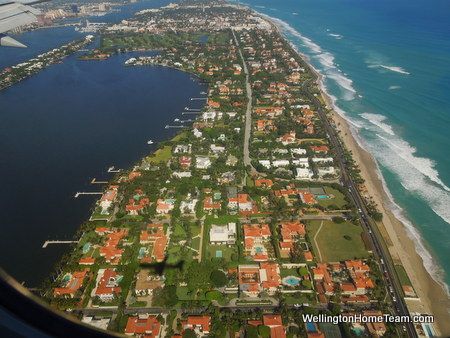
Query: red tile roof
(73, 285)
(200, 322)
(149, 327)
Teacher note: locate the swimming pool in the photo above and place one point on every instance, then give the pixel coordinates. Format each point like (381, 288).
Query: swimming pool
(291, 281)
(311, 327)
(322, 197)
(86, 248)
(142, 252)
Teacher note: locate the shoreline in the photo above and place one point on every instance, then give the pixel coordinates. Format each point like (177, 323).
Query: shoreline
(432, 296)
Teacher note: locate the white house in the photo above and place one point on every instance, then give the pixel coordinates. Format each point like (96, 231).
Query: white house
(217, 149)
(301, 162)
(298, 151)
(265, 163)
(188, 206)
(326, 171)
(322, 159)
(223, 234)
(303, 173)
(280, 163)
(202, 162)
(182, 174)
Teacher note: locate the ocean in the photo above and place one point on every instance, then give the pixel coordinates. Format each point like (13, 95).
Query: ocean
(386, 66)
(65, 126)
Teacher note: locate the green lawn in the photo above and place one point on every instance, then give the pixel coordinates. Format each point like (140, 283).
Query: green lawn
(338, 198)
(161, 155)
(299, 298)
(221, 219)
(337, 242)
(183, 294)
(226, 251)
(402, 275)
(289, 272)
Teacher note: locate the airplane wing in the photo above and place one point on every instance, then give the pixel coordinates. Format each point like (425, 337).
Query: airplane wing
(13, 15)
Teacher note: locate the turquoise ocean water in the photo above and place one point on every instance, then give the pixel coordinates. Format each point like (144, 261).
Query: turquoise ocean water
(386, 65)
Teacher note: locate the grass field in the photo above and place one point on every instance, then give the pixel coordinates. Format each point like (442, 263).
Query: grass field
(226, 251)
(338, 199)
(161, 155)
(402, 275)
(221, 219)
(336, 242)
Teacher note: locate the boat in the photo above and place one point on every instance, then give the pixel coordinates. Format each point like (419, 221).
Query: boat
(176, 120)
(150, 142)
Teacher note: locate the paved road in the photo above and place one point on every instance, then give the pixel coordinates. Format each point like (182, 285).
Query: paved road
(380, 248)
(315, 241)
(248, 112)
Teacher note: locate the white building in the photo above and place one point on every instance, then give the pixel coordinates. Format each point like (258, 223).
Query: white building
(223, 234)
(322, 159)
(326, 171)
(182, 174)
(298, 151)
(217, 149)
(301, 162)
(265, 163)
(303, 174)
(209, 116)
(183, 149)
(280, 163)
(188, 206)
(197, 133)
(202, 162)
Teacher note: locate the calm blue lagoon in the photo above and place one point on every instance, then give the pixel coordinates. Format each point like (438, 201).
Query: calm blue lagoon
(65, 126)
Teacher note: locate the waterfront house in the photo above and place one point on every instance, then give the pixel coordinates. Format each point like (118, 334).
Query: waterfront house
(143, 326)
(71, 283)
(107, 284)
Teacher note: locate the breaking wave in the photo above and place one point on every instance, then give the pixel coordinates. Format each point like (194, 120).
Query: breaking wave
(395, 69)
(336, 36)
(377, 120)
(326, 59)
(416, 174)
(394, 87)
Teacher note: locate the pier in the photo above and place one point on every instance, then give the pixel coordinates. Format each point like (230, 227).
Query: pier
(114, 170)
(191, 113)
(191, 109)
(168, 126)
(198, 98)
(94, 181)
(46, 243)
(88, 193)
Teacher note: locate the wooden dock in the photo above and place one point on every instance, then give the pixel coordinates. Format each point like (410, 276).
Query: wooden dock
(46, 243)
(88, 193)
(114, 170)
(94, 181)
(168, 126)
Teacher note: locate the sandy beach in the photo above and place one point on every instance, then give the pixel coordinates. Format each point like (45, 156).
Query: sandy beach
(432, 297)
